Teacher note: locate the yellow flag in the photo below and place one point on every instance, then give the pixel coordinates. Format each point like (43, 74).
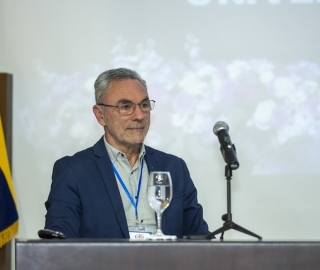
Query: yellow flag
(8, 209)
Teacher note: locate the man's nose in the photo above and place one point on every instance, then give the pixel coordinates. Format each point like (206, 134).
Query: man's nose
(138, 113)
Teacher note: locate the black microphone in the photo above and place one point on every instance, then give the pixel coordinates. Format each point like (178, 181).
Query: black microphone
(227, 149)
(50, 234)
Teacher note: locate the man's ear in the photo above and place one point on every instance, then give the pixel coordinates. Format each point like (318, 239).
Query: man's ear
(98, 112)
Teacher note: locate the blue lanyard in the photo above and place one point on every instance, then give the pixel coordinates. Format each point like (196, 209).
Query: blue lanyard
(134, 203)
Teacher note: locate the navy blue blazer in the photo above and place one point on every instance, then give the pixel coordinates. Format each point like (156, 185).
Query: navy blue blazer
(84, 200)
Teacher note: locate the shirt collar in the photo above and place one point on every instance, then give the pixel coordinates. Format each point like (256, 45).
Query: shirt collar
(114, 153)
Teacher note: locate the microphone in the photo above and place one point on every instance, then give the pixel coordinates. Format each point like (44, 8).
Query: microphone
(227, 149)
(49, 234)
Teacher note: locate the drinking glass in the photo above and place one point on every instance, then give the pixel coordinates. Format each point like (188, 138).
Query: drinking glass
(159, 192)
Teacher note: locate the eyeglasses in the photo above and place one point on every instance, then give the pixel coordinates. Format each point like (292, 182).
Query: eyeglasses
(128, 108)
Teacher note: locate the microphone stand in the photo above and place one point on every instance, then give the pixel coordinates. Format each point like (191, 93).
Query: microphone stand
(227, 218)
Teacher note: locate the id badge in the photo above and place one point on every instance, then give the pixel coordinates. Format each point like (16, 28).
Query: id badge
(138, 235)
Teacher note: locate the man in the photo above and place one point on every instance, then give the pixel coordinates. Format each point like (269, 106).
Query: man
(96, 192)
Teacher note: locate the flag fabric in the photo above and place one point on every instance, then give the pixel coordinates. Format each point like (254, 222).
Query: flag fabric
(8, 209)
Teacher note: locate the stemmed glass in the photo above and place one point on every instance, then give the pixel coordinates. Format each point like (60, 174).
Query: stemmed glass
(159, 192)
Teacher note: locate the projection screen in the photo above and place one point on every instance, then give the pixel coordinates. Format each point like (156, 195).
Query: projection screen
(252, 64)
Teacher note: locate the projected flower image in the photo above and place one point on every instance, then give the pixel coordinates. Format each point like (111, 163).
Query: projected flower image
(264, 103)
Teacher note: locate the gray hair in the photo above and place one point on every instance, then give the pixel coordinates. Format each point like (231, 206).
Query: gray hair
(104, 79)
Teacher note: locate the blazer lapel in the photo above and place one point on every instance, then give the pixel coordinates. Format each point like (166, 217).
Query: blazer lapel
(106, 171)
(152, 160)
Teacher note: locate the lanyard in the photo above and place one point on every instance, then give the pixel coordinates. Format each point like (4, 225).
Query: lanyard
(134, 203)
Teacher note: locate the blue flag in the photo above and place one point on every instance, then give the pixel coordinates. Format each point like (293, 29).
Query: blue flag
(8, 209)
